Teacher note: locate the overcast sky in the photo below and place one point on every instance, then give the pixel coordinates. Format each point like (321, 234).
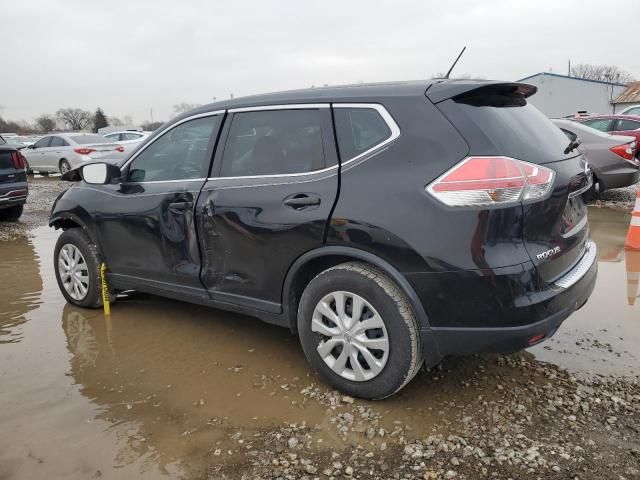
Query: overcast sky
(130, 56)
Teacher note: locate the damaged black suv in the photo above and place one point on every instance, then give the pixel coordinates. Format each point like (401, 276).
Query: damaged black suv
(388, 225)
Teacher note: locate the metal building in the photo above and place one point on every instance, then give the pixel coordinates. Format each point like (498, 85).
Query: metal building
(630, 96)
(560, 95)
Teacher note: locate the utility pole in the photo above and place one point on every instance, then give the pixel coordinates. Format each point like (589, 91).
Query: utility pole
(569, 69)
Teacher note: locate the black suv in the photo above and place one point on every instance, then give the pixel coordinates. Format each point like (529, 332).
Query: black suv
(387, 224)
(13, 182)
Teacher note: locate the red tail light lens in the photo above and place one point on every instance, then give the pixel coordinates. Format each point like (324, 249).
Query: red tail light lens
(83, 150)
(18, 160)
(479, 181)
(120, 149)
(625, 151)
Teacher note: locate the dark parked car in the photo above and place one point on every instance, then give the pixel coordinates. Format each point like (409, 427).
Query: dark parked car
(387, 224)
(13, 182)
(611, 157)
(627, 125)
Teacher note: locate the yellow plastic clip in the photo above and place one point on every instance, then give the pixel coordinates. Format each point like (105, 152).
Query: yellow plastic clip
(105, 290)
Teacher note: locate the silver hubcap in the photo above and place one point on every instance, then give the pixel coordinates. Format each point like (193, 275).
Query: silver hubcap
(353, 338)
(73, 271)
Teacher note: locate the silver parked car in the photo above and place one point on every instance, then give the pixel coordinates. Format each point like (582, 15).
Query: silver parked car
(63, 151)
(129, 139)
(612, 157)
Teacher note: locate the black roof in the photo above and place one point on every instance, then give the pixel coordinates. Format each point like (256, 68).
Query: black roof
(439, 89)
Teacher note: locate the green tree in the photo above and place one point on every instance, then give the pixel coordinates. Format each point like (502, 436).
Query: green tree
(99, 120)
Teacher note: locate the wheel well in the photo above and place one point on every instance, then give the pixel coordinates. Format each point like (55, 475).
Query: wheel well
(65, 224)
(304, 275)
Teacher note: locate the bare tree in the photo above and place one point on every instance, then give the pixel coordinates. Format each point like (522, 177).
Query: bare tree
(184, 107)
(75, 118)
(603, 73)
(46, 123)
(115, 121)
(151, 126)
(462, 76)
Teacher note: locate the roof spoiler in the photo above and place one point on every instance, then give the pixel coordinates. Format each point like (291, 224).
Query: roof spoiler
(446, 89)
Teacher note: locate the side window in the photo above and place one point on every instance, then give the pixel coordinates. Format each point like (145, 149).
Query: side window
(601, 124)
(633, 111)
(113, 137)
(43, 142)
(129, 136)
(358, 130)
(273, 142)
(179, 154)
(625, 125)
(57, 142)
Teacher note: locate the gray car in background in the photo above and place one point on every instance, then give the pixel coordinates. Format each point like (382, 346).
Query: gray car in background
(63, 151)
(612, 157)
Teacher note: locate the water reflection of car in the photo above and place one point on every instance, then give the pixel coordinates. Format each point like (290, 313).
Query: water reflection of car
(611, 157)
(19, 293)
(63, 151)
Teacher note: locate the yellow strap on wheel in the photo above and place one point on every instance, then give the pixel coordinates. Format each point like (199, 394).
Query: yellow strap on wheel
(105, 290)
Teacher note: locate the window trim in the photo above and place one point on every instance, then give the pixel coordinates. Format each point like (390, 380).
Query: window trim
(386, 117)
(167, 129)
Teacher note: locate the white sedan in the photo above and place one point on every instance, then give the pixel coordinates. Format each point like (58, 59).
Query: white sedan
(128, 138)
(63, 151)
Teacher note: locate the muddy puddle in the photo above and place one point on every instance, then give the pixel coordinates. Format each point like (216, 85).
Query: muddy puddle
(160, 386)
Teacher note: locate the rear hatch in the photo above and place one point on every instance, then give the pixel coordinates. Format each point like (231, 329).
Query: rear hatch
(10, 171)
(497, 120)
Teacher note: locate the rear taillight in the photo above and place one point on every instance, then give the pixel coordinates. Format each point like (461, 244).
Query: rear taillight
(18, 160)
(625, 151)
(83, 150)
(120, 149)
(478, 181)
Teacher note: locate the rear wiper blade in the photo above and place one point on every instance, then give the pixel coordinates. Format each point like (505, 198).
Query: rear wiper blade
(572, 146)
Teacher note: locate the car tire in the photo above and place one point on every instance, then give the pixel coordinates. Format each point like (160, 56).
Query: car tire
(63, 166)
(11, 214)
(87, 267)
(382, 372)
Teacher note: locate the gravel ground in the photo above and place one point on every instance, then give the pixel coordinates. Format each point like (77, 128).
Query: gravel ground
(518, 418)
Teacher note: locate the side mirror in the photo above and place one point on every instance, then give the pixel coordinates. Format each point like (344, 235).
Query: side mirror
(100, 173)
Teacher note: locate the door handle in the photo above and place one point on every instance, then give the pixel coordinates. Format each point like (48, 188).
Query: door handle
(302, 200)
(182, 205)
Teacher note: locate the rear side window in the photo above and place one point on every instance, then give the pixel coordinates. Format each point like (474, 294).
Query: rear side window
(276, 142)
(633, 111)
(624, 125)
(2, 142)
(359, 130)
(497, 120)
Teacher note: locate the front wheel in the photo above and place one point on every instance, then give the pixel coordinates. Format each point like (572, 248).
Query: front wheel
(77, 267)
(358, 331)
(64, 166)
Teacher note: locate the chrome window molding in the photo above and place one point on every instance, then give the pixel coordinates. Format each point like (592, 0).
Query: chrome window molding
(293, 106)
(386, 116)
(170, 127)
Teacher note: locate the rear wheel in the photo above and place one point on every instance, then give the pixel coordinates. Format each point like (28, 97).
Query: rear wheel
(77, 267)
(358, 330)
(11, 214)
(64, 166)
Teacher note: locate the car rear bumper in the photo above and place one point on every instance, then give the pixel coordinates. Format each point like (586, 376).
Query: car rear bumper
(629, 176)
(546, 310)
(14, 195)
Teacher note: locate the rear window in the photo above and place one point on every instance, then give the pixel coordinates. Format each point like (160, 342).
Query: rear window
(5, 160)
(497, 121)
(87, 139)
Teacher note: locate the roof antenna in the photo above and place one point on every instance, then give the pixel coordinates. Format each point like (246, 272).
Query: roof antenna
(454, 63)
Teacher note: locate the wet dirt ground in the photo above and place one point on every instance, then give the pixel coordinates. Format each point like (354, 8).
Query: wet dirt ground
(162, 389)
